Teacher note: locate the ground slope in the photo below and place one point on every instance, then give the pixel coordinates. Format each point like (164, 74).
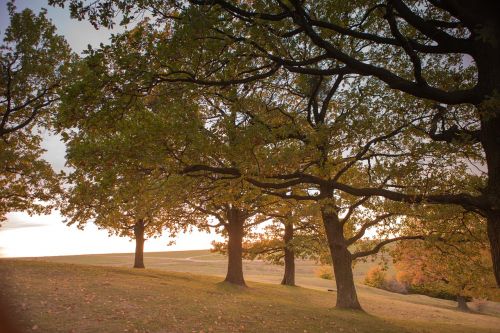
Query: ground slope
(380, 302)
(57, 297)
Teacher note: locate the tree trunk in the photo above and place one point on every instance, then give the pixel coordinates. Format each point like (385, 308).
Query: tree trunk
(487, 57)
(235, 231)
(490, 140)
(289, 276)
(139, 244)
(462, 304)
(494, 239)
(347, 297)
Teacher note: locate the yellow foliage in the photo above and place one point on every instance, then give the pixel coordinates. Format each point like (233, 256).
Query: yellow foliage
(375, 277)
(324, 272)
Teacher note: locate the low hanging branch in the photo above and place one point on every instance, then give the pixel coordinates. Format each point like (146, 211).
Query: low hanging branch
(379, 246)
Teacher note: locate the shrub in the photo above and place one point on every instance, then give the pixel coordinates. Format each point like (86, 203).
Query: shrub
(395, 286)
(325, 272)
(375, 277)
(435, 292)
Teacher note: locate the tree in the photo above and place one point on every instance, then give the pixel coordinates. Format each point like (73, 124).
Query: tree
(113, 184)
(124, 168)
(306, 144)
(152, 132)
(292, 233)
(231, 201)
(27, 183)
(292, 133)
(137, 222)
(423, 34)
(458, 264)
(330, 173)
(234, 218)
(124, 205)
(33, 59)
(445, 52)
(228, 206)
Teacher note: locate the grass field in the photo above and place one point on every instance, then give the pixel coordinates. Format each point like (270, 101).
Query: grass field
(53, 294)
(205, 262)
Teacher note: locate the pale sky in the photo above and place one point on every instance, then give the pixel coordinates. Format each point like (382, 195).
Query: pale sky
(47, 235)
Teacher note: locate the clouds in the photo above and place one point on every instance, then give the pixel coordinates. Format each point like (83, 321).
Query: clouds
(18, 224)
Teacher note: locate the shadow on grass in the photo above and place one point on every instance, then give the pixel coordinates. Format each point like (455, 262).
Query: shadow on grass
(230, 287)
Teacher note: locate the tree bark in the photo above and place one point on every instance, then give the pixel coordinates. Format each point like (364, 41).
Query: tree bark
(139, 244)
(490, 140)
(347, 297)
(235, 231)
(487, 58)
(493, 222)
(462, 304)
(289, 275)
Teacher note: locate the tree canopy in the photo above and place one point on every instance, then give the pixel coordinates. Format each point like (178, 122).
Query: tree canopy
(438, 52)
(368, 113)
(33, 62)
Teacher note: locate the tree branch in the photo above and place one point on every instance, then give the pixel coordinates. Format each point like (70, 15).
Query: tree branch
(379, 246)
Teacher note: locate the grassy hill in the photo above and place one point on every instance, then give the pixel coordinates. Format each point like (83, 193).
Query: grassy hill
(57, 296)
(205, 262)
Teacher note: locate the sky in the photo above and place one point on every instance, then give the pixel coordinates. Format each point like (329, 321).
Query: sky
(47, 235)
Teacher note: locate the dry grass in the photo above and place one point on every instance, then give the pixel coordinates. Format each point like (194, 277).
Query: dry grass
(56, 297)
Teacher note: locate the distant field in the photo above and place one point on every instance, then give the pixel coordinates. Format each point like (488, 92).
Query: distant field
(60, 297)
(205, 262)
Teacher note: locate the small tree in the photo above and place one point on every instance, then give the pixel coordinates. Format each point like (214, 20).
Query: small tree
(123, 208)
(376, 277)
(291, 234)
(109, 186)
(456, 265)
